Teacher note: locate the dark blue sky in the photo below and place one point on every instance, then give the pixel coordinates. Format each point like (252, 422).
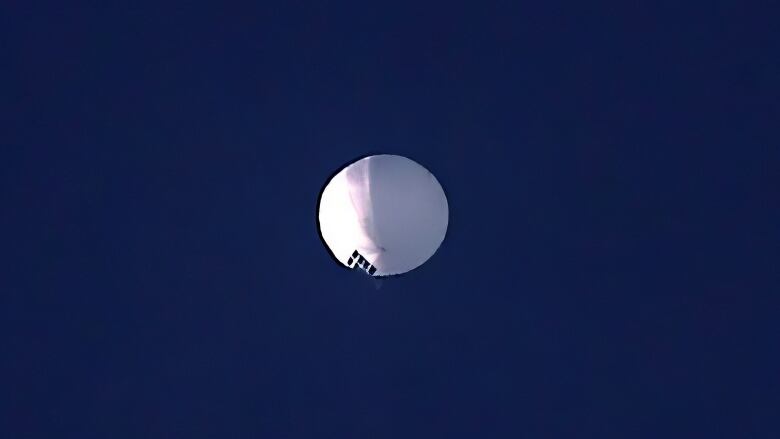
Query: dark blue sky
(610, 270)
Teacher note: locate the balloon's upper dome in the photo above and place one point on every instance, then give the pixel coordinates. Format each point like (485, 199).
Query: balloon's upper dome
(385, 213)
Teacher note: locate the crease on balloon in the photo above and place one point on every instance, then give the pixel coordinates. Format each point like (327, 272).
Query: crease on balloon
(359, 189)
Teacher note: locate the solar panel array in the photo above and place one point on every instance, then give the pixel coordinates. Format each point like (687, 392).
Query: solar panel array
(357, 260)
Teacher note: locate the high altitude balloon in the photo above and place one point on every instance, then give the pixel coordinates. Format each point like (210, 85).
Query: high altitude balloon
(385, 214)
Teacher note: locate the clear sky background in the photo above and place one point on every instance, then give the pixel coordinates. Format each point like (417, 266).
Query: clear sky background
(610, 268)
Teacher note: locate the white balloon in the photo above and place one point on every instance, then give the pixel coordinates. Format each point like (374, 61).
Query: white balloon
(384, 213)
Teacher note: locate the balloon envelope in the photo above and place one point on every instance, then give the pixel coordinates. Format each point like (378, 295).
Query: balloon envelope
(384, 213)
